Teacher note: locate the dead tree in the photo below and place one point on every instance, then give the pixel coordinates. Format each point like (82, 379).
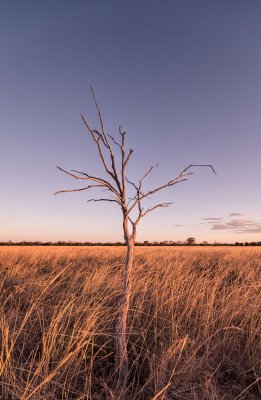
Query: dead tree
(117, 185)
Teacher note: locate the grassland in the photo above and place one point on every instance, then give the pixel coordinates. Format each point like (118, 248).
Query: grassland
(194, 323)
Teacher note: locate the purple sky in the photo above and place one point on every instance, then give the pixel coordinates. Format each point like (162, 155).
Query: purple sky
(183, 77)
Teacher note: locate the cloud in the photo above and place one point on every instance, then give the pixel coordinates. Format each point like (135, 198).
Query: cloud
(219, 226)
(213, 219)
(235, 225)
(235, 214)
(178, 225)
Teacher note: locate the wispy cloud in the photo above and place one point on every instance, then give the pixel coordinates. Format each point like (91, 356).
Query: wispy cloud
(213, 219)
(178, 225)
(235, 214)
(236, 225)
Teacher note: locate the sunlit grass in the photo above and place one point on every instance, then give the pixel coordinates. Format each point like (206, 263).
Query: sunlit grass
(194, 323)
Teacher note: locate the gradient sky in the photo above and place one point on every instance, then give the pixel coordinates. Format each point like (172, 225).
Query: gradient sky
(183, 77)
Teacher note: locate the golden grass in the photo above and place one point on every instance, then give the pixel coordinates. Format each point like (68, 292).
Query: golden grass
(194, 323)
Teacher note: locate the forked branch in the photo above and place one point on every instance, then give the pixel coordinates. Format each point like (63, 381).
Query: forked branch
(180, 178)
(86, 177)
(154, 208)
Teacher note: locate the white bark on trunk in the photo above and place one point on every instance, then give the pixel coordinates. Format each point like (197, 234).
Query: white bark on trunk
(121, 361)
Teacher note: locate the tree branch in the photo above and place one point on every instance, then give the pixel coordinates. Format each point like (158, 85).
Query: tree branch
(110, 200)
(101, 181)
(132, 183)
(154, 208)
(107, 144)
(93, 132)
(142, 214)
(114, 141)
(180, 178)
(128, 157)
(198, 165)
(148, 172)
(77, 190)
(100, 118)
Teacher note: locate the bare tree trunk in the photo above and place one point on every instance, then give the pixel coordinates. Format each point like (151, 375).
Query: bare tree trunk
(121, 361)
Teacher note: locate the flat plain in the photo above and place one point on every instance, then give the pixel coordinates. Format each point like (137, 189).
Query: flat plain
(193, 327)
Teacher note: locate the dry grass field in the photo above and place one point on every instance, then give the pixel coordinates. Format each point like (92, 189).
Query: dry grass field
(193, 328)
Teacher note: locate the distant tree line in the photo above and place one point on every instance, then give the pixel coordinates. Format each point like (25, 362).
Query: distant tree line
(248, 244)
(188, 242)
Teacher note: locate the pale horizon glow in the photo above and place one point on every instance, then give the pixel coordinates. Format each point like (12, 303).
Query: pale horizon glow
(183, 78)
